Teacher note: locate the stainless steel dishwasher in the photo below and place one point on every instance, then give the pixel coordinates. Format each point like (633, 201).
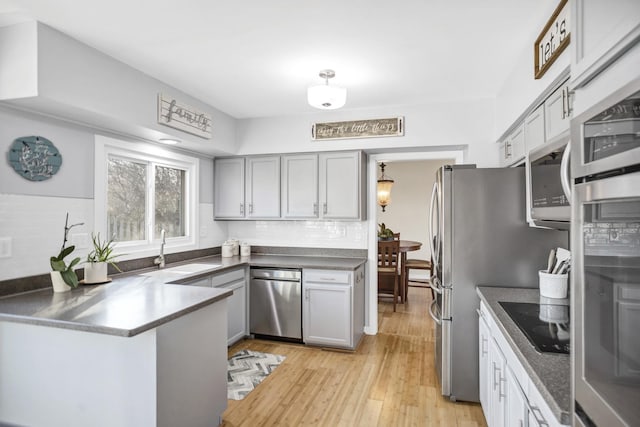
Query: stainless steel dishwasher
(276, 303)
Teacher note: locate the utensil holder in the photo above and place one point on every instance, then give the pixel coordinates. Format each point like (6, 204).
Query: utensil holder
(553, 285)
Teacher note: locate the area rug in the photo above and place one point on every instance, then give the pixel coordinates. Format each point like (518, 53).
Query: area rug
(246, 369)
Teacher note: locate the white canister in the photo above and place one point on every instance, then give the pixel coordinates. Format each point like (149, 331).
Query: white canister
(227, 250)
(553, 285)
(245, 249)
(236, 246)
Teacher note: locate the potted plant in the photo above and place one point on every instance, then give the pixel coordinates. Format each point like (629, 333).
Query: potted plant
(95, 271)
(384, 233)
(63, 277)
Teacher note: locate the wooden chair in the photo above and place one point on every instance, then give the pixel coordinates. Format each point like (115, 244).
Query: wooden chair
(388, 271)
(415, 264)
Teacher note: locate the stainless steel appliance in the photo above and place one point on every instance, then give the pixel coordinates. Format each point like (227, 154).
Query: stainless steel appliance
(605, 278)
(479, 237)
(548, 184)
(276, 303)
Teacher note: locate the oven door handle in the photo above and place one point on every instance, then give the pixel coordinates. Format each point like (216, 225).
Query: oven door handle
(432, 313)
(565, 172)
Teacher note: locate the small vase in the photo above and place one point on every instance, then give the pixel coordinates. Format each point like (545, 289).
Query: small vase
(58, 282)
(95, 272)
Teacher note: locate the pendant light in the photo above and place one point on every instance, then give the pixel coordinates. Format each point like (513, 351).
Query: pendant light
(326, 97)
(384, 188)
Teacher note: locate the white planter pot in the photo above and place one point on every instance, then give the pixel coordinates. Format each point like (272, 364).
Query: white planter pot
(58, 283)
(95, 272)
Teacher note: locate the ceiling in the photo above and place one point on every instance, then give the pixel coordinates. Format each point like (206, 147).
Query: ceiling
(255, 58)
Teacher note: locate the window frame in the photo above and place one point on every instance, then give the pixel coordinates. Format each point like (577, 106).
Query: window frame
(153, 156)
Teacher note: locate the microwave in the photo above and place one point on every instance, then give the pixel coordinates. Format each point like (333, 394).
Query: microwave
(548, 184)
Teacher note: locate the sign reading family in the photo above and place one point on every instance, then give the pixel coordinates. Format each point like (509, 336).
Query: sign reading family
(183, 117)
(358, 129)
(552, 41)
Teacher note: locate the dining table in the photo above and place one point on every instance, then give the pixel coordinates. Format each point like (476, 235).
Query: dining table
(406, 246)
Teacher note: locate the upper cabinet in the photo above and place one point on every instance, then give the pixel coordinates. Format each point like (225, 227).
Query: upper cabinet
(300, 186)
(263, 187)
(292, 186)
(340, 185)
(228, 187)
(557, 112)
(534, 125)
(512, 147)
(601, 31)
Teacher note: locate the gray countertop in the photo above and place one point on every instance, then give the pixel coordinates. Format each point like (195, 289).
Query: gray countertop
(551, 373)
(132, 303)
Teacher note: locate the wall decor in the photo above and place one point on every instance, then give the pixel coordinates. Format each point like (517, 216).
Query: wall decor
(552, 41)
(181, 116)
(34, 158)
(371, 128)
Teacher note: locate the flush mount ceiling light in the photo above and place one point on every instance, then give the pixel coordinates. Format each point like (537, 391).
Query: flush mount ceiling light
(384, 188)
(169, 141)
(326, 97)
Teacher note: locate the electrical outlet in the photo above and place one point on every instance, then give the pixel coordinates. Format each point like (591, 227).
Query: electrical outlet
(5, 247)
(80, 240)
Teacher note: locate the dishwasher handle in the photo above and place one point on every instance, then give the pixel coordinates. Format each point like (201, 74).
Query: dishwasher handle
(291, 275)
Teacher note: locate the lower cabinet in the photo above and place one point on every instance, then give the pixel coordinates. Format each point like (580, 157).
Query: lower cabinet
(236, 304)
(507, 396)
(333, 307)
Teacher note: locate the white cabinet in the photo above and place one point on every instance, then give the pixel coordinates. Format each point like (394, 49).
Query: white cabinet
(600, 32)
(534, 129)
(512, 148)
(263, 187)
(300, 186)
(507, 395)
(340, 185)
(228, 184)
(333, 307)
(557, 112)
(497, 383)
(235, 281)
(484, 363)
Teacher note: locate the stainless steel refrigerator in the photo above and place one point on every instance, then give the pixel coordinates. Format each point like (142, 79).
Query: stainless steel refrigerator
(479, 237)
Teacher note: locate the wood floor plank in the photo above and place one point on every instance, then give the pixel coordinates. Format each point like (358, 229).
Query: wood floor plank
(390, 380)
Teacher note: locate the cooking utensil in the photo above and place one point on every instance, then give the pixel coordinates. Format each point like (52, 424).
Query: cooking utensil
(552, 260)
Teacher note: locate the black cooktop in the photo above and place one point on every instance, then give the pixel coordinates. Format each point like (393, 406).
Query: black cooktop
(545, 325)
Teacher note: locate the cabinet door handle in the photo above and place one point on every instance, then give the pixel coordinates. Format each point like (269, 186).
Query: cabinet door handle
(250, 208)
(501, 393)
(539, 419)
(495, 370)
(315, 209)
(324, 208)
(241, 208)
(306, 294)
(482, 342)
(564, 111)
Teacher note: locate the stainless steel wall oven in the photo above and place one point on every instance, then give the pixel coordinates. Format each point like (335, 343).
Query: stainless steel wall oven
(606, 267)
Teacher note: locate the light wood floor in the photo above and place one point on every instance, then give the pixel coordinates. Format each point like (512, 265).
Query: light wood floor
(389, 381)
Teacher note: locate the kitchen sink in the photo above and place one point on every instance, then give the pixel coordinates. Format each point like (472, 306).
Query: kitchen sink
(181, 270)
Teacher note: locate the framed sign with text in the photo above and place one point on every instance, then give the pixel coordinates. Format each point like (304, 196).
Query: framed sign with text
(553, 40)
(370, 128)
(180, 116)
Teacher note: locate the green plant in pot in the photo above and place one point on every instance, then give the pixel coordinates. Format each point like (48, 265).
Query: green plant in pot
(98, 260)
(384, 233)
(63, 277)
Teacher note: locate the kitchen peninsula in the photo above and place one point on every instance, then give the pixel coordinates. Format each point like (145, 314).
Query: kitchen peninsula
(131, 353)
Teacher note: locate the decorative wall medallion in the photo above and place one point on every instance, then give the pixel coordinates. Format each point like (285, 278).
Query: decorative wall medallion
(34, 158)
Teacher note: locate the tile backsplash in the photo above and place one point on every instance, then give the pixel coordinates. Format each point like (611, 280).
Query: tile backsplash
(323, 234)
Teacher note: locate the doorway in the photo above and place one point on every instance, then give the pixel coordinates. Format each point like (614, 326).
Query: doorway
(407, 211)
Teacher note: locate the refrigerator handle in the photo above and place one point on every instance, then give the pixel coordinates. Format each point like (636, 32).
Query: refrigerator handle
(434, 254)
(433, 315)
(565, 173)
(435, 286)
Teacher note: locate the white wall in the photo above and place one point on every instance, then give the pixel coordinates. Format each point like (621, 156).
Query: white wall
(408, 211)
(32, 214)
(435, 126)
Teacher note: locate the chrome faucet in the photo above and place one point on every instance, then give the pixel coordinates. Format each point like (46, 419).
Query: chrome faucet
(160, 260)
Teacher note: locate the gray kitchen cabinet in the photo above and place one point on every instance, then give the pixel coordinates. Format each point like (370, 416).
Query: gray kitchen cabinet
(600, 32)
(333, 307)
(484, 364)
(341, 185)
(557, 112)
(534, 129)
(263, 187)
(516, 412)
(228, 184)
(512, 148)
(498, 384)
(237, 313)
(300, 186)
(504, 153)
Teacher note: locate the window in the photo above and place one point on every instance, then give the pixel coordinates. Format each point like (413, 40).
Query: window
(141, 190)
